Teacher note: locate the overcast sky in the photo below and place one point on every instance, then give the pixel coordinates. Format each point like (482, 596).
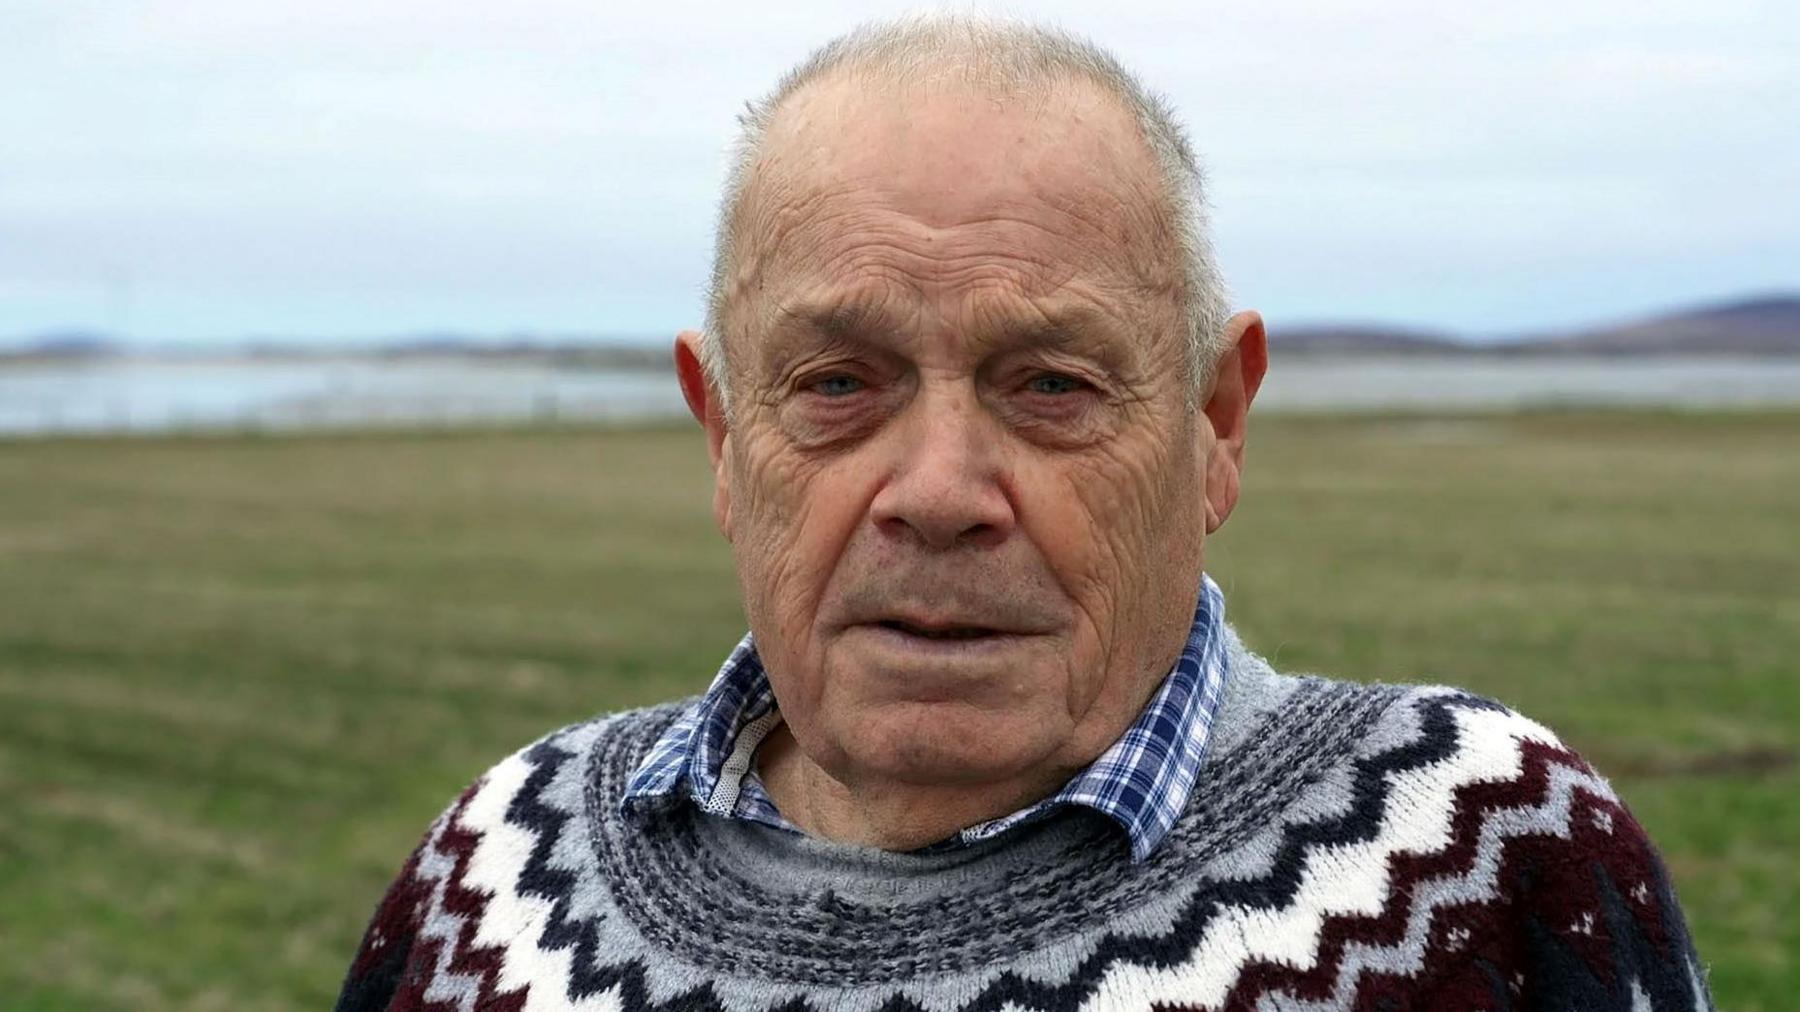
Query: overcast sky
(198, 170)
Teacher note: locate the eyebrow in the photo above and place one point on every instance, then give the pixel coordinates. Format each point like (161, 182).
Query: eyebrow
(1078, 330)
(1070, 328)
(1065, 329)
(839, 321)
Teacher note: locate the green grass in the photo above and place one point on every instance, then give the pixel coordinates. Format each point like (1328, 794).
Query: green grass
(239, 675)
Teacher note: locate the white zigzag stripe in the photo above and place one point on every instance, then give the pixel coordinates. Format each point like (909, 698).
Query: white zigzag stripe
(1350, 879)
(1479, 883)
(444, 927)
(513, 922)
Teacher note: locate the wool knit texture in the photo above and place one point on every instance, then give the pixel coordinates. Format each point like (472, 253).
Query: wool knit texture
(1344, 847)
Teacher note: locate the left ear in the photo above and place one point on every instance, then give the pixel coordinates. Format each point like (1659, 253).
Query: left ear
(1236, 378)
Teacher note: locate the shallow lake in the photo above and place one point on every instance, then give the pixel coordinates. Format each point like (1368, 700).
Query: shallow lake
(149, 395)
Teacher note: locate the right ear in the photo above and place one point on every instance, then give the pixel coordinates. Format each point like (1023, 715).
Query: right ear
(704, 402)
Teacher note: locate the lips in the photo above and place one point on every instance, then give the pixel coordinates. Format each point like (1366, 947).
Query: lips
(946, 632)
(942, 638)
(944, 613)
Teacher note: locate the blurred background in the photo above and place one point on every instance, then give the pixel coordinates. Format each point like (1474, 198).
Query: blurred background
(340, 454)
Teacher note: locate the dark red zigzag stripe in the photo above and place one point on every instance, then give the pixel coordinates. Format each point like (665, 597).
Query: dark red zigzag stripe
(1489, 923)
(466, 958)
(395, 921)
(1473, 805)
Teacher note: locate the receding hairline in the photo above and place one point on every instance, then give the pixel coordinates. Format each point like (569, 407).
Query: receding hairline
(861, 84)
(1137, 186)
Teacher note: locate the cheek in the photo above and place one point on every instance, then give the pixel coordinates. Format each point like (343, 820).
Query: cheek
(1120, 530)
(791, 520)
(1097, 515)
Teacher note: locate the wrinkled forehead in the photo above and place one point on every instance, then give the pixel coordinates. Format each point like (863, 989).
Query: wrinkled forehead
(1043, 188)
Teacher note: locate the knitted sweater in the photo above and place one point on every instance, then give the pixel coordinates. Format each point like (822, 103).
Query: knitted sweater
(1347, 846)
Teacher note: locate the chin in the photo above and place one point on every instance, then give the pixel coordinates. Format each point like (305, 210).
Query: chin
(946, 743)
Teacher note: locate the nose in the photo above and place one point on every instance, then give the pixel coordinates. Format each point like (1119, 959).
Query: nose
(947, 486)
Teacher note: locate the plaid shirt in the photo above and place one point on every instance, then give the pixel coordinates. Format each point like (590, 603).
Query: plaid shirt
(1142, 782)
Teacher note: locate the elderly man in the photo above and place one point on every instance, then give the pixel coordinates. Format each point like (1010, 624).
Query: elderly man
(973, 404)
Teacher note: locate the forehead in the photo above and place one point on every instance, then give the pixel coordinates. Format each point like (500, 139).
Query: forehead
(951, 190)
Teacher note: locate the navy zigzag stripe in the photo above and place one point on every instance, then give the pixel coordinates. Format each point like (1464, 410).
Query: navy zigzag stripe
(1437, 740)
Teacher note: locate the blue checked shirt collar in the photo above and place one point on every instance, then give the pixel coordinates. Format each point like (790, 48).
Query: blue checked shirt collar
(1142, 782)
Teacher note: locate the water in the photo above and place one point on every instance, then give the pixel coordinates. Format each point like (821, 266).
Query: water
(279, 395)
(1462, 383)
(282, 395)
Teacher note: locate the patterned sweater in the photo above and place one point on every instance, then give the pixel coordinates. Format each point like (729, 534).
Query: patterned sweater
(1347, 846)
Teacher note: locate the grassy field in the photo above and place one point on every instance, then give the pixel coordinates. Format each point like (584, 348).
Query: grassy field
(239, 675)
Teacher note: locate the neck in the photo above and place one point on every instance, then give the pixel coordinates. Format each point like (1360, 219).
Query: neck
(887, 815)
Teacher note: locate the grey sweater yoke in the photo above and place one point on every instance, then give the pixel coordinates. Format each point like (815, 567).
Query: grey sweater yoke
(1345, 846)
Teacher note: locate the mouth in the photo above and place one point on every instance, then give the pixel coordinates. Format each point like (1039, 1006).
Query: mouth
(927, 659)
(942, 641)
(948, 632)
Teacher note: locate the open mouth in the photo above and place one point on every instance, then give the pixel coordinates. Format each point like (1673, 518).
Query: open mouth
(946, 633)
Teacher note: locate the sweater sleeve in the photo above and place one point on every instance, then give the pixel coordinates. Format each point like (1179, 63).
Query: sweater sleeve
(1599, 925)
(1583, 916)
(391, 952)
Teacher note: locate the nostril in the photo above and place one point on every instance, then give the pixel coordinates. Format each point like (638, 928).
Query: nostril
(982, 535)
(941, 515)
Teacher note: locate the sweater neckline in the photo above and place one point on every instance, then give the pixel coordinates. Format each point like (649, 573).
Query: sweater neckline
(744, 898)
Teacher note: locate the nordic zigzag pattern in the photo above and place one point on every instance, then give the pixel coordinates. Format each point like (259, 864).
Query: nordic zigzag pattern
(1362, 848)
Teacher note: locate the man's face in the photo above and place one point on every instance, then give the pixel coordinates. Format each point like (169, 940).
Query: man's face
(961, 479)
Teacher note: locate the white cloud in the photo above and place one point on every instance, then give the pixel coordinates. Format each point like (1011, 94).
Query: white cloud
(299, 150)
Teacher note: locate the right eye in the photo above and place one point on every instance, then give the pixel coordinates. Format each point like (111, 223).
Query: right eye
(1054, 383)
(836, 385)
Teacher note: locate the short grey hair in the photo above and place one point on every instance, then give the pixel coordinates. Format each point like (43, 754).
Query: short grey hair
(1000, 53)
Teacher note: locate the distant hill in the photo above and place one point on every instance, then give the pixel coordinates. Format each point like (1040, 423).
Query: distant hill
(1759, 326)
(1392, 340)
(1764, 325)
(63, 346)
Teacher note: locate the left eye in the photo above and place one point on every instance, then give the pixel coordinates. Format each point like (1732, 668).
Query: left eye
(838, 386)
(1054, 383)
